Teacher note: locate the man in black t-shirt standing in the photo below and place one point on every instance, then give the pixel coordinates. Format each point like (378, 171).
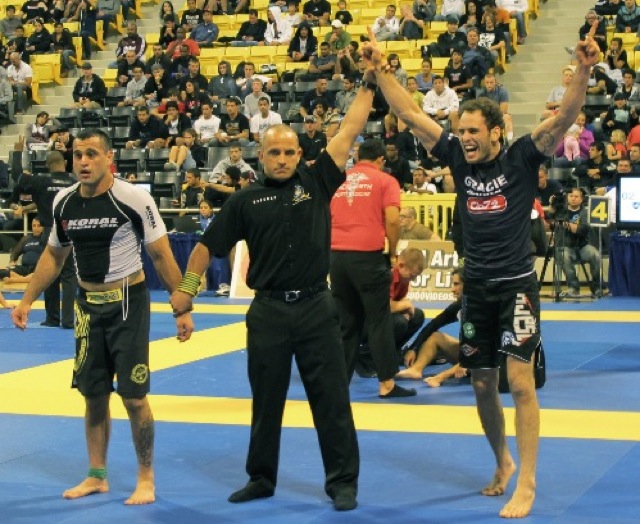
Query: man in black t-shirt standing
(500, 304)
(285, 220)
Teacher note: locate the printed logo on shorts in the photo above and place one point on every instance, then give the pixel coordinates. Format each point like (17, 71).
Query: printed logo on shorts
(469, 330)
(140, 373)
(524, 321)
(508, 339)
(468, 350)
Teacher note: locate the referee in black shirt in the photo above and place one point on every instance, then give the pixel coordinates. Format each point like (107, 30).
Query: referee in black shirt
(285, 221)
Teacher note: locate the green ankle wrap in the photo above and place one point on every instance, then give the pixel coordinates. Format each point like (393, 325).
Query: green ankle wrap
(98, 473)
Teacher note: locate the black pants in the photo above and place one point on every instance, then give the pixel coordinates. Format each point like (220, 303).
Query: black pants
(360, 283)
(309, 331)
(69, 282)
(404, 329)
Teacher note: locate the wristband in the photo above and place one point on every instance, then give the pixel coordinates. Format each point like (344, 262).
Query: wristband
(98, 473)
(190, 283)
(370, 86)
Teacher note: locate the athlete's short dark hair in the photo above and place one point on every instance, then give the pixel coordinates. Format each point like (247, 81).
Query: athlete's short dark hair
(489, 110)
(371, 149)
(95, 132)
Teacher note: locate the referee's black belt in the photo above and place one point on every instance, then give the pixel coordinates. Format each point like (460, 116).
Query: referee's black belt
(295, 295)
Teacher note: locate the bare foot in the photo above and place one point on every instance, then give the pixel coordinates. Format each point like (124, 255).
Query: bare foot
(520, 504)
(145, 493)
(498, 484)
(409, 373)
(88, 486)
(434, 382)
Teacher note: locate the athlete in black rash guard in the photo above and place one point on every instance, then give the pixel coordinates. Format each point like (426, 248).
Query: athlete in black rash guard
(107, 221)
(500, 300)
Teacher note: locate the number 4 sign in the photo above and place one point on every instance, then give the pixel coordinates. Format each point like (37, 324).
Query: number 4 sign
(598, 211)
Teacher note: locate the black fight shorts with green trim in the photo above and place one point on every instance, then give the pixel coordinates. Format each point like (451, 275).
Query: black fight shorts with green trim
(499, 316)
(112, 340)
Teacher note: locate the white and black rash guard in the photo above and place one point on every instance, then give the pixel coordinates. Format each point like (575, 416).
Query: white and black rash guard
(106, 231)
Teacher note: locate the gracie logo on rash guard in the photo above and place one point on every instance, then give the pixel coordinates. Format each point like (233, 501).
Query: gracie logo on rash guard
(89, 223)
(482, 205)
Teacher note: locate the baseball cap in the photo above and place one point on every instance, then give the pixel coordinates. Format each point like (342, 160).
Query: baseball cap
(337, 24)
(452, 19)
(156, 67)
(87, 65)
(619, 96)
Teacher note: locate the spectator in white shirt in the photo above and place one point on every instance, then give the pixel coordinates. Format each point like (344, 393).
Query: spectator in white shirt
(134, 95)
(278, 30)
(265, 118)
(20, 77)
(422, 183)
(207, 125)
(387, 27)
(251, 100)
(441, 103)
(451, 7)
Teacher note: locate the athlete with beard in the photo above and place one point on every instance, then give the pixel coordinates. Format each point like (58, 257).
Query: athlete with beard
(500, 303)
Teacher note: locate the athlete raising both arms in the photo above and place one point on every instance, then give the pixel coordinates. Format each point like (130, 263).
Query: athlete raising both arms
(500, 304)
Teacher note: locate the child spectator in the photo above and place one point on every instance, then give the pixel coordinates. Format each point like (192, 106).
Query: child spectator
(571, 145)
(342, 14)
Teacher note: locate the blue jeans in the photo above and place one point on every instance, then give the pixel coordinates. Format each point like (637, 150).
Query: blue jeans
(569, 258)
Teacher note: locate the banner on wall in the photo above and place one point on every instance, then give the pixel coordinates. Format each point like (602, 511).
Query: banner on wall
(433, 285)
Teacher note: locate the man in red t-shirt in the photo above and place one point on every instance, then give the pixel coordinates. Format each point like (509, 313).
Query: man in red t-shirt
(365, 209)
(407, 320)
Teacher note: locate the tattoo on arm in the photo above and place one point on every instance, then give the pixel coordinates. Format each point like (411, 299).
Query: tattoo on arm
(545, 142)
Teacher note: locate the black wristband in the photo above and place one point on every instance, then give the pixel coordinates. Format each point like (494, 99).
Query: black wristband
(370, 86)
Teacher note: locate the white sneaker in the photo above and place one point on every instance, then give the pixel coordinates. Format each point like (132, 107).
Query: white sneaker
(223, 290)
(171, 166)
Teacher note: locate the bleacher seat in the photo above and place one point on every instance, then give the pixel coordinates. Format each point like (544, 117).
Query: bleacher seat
(120, 136)
(69, 116)
(130, 160)
(215, 154)
(121, 116)
(114, 96)
(156, 159)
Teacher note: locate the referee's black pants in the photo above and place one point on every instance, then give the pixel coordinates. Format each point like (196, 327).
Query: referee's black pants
(361, 286)
(309, 331)
(69, 282)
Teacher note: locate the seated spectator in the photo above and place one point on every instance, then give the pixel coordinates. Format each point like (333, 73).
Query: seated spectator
(472, 17)
(62, 140)
(628, 18)
(601, 83)
(194, 74)
(134, 96)
(264, 119)
(616, 148)
(457, 76)
(89, 90)
(6, 97)
(39, 42)
(597, 171)
(451, 39)
(131, 42)
(251, 100)
(424, 10)
(244, 83)
(407, 319)
(422, 184)
(518, 10)
(396, 68)
(251, 32)
(36, 135)
(234, 126)
(86, 14)
(191, 17)
(167, 32)
(15, 45)
(317, 12)
(158, 86)
(158, 57)
(425, 78)
(206, 214)
(491, 37)
(345, 98)
(20, 77)
(601, 30)
(193, 99)
(629, 88)
(407, 145)
(147, 131)
(346, 65)
(233, 160)
(387, 27)
(192, 191)
(397, 167)
(557, 93)
(278, 30)
(206, 32)
(616, 57)
(585, 139)
(107, 12)
(312, 142)
(9, 23)
(451, 8)
(343, 14)
(477, 59)
(176, 122)
(175, 48)
(410, 27)
(546, 187)
(499, 94)
(411, 229)
(222, 85)
(328, 121)
(207, 125)
(292, 14)
(322, 65)
(188, 155)
(29, 247)
(619, 116)
(303, 45)
(126, 67)
(32, 10)
(441, 103)
(62, 43)
(311, 97)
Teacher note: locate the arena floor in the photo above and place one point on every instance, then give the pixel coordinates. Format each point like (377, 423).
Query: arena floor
(423, 459)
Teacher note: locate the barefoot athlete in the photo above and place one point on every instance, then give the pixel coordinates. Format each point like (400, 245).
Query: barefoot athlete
(500, 304)
(105, 221)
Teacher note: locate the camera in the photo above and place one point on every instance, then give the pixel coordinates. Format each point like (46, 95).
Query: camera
(558, 202)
